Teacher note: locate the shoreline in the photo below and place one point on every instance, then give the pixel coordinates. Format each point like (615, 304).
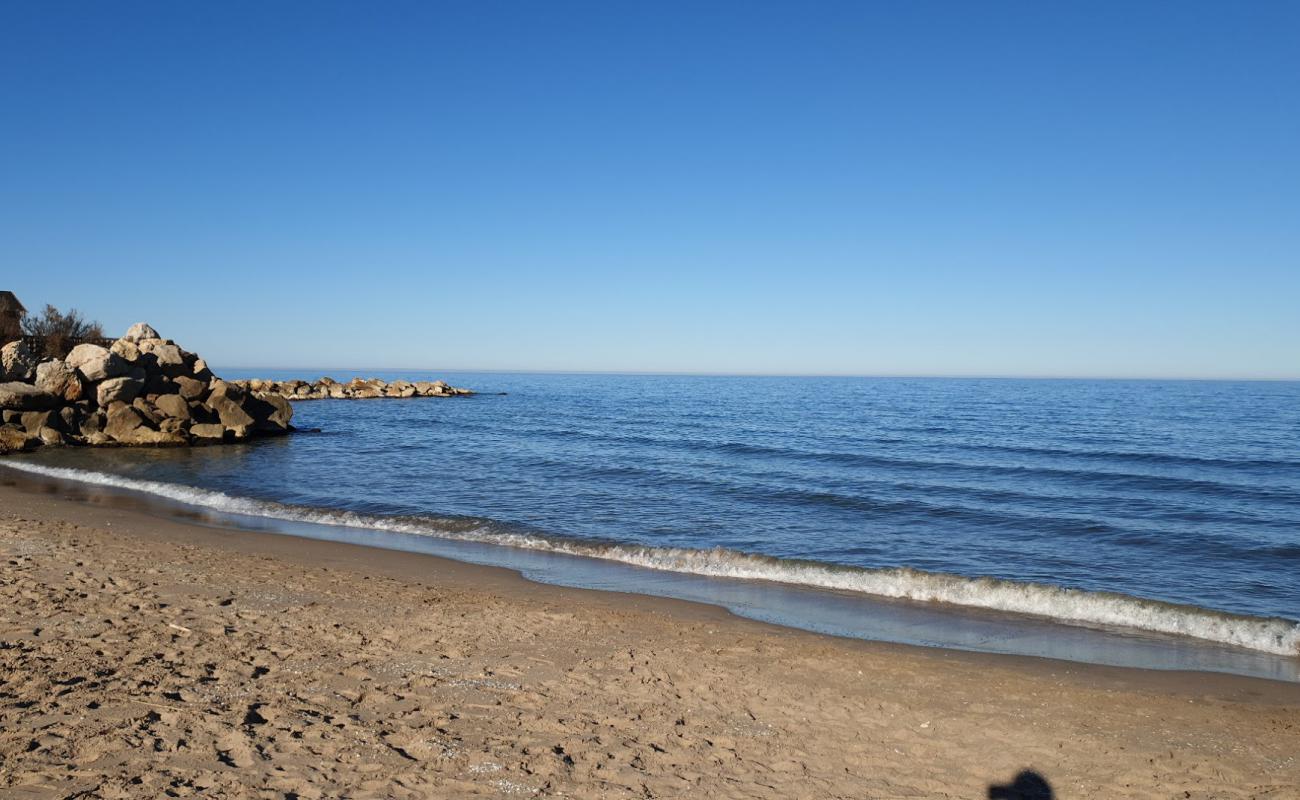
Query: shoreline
(603, 677)
(809, 606)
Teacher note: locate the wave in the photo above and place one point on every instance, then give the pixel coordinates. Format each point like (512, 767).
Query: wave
(1060, 604)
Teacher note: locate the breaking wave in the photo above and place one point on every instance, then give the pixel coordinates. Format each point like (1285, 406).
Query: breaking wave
(1060, 604)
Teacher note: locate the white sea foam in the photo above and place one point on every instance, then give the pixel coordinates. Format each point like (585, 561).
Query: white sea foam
(1270, 635)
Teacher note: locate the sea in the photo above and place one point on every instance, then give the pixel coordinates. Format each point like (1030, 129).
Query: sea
(1136, 523)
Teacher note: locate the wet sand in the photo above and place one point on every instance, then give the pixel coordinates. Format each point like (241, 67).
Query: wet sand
(142, 656)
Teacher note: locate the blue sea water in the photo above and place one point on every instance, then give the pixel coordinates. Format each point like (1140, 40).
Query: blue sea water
(1092, 501)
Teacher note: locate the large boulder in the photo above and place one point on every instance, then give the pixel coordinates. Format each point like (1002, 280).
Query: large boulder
(127, 350)
(14, 439)
(190, 388)
(172, 405)
(96, 363)
(122, 421)
(141, 330)
(33, 421)
(122, 389)
(17, 396)
(60, 380)
(125, 425)
(18, 361)
(271, 411)
(232, 414)
(166, 355)
(208, 432)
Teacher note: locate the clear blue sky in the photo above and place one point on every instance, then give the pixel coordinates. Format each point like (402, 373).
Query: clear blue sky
(921, 188)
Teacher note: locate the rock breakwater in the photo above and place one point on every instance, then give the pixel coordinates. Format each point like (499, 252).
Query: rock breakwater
(141, 390)
(355, 389)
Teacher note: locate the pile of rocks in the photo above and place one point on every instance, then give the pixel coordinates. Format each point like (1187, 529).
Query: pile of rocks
(355, 389)
(143, 390)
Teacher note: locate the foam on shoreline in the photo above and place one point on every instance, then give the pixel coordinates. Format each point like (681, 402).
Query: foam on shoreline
(1056, 603)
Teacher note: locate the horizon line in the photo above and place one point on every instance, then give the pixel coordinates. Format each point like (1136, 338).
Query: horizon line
(705, 374)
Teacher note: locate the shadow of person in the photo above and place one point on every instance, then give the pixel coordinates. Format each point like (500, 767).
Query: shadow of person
(1028, 785)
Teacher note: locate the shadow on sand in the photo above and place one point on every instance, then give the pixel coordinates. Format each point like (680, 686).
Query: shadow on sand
(1027, 786)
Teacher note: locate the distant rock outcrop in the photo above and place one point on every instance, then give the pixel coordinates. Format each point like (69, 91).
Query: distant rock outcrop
(143, 390)
(355, 389)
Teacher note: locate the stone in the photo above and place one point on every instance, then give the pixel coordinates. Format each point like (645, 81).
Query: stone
(189, 388)
(49, 436)
(60, 380)
(25, 397)
(272, 413)
(122, 421)
(92, 423)
(15, 440)
(122, 389)
(231, 413)
(33, 421)
(18, 361)
(172, 405)
(141, 330)
(126, 349)
(226, 389)
(147, 411)
(96, 363)
(172, 425)
(208, 431)
(166, 355)
(70, 418)
(126, 426)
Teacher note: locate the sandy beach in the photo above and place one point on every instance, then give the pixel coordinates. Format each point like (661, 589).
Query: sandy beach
(142, 656)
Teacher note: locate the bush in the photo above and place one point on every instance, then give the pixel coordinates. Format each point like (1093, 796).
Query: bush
(60, 332)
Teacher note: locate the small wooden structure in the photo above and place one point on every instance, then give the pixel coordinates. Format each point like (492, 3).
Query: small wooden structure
(11, 317)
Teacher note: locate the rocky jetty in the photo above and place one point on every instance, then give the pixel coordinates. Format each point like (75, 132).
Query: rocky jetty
(141, 390)
(355, 389)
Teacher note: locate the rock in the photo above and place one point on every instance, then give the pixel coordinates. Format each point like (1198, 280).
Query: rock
(60, 380)
(122, 389)
(126, 426)
(231, 414)
(18, 361)
(226, 389)
(208, 431)
(93, 423)
(25, 397)
(189, 388)
(70, 417)
(173, 425)
(167, 355)
(15, 440)
(96, 363)
(33, 421)
(147, 411)
(272, 413)
(50, 437)
(122, 421)
(141, 330)
(173, 405)
(126, 349)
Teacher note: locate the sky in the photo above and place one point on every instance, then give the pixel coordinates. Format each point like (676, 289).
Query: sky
(861, 188)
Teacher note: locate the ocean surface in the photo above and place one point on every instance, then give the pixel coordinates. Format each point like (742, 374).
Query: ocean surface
(1168, 507)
